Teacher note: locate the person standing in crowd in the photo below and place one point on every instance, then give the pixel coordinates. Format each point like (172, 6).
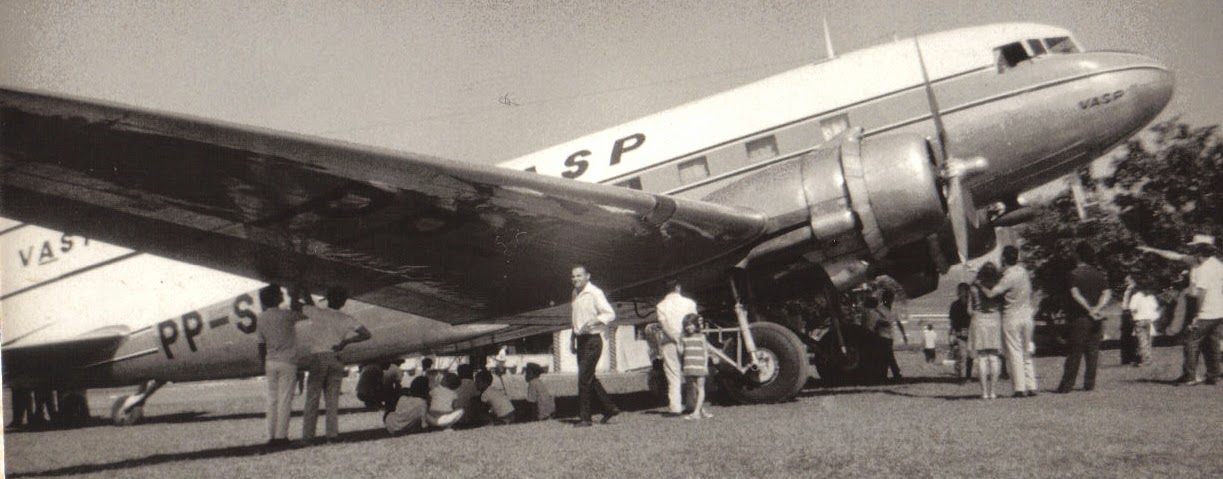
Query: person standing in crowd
(542, 405)
(696, 364)
(1206, 285)
(961, 317)
(1144, 308)
(328, 331)
(1089, 290)
(590, 314)
(985, 334)
(929, 343)
(671, 312)
(1015, 288)
(875, 321)
(887, 303)
(23, 408)
(277, 339)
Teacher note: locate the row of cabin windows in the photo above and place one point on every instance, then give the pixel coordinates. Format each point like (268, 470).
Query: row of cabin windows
(760, 149)
(1012, 54)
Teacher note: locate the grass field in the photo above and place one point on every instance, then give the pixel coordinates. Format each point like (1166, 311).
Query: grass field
(1133, 425)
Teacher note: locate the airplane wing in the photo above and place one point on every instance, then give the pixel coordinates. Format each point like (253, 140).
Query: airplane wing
(452, 241)
(26, 360)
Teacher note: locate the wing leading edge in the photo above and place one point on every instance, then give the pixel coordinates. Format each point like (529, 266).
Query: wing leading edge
(453, 241)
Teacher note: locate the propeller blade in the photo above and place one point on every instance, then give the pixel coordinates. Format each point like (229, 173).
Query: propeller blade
(962, 212)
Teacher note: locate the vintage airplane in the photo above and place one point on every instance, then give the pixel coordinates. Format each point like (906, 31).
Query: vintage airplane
(805, 183)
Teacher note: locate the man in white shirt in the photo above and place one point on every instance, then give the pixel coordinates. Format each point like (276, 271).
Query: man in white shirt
(1015, 287)
(671, 312)
(1205, 284)
(591, 313)
(327, 333)
(277, 340)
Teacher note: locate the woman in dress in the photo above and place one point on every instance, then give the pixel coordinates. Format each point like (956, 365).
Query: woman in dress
(985, 332)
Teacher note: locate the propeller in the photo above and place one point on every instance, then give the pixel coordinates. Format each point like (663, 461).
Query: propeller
(960, 207)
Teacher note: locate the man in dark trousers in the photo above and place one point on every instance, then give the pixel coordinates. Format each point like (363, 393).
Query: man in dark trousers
(591, 313)
(1090, 293)
(961, 318)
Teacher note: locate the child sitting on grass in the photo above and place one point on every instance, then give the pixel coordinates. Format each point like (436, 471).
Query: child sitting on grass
(541, 405)
(696, 363)
(442, 413)
(494, 399)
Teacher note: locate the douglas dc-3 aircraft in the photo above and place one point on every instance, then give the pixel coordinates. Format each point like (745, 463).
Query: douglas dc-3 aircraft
(802, 184)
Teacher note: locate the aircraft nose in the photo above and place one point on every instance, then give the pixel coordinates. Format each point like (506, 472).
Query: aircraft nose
(1154, 89)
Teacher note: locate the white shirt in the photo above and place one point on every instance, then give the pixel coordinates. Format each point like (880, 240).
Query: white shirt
(324, 329)
(1209, 277)
(1016, 288)
(1143, 306)
(591, 311)
(929, 337)
(671, 312)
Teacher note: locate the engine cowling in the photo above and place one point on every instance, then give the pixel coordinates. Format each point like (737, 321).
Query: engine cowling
(845, 208)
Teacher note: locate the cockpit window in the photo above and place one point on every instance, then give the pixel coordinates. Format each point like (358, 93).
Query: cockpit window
(1061, 45)
(1010, 55)
(1037, 48)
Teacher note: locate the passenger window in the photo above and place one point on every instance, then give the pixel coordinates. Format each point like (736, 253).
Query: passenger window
(693, 170)
(761, 149)
(1061, 45)
(831, 127)
(633, 183)
(1010, 55)
(1037, 48)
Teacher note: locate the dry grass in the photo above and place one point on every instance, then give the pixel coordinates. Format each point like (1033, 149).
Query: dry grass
(1133, 425)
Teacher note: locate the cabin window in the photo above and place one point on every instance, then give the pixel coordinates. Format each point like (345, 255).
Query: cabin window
(693, 170)
(761, 149)
(1061, 45)
(1010, 55)
(831, 127)
(1036, 47)
(633, 183)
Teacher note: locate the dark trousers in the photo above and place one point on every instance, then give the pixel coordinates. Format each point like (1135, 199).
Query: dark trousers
(1085, 336)
(1202, 335)
(590, 347)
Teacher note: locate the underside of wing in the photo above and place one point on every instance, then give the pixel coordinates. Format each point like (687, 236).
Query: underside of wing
(448, 240)
(39, 363)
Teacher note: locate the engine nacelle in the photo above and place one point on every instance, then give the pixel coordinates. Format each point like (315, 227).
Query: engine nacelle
(844, 208)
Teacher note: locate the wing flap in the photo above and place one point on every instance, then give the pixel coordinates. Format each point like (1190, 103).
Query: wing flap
(453, 241)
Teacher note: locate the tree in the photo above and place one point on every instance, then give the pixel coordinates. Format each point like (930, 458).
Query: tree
(1163, 187)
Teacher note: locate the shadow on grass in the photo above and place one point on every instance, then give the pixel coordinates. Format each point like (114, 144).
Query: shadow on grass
(175, 418)
(566, 407)
(224, 452)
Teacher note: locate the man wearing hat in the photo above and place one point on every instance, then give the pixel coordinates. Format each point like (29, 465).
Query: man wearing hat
(1206, 285)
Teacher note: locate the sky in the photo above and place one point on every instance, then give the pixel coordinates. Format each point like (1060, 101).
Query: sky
(433, 76)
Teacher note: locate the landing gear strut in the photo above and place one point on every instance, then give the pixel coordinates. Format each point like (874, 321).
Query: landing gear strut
(128, 410)
(764, 363)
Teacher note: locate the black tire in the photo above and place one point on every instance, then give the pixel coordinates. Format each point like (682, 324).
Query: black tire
(791, 372)
(860, 363)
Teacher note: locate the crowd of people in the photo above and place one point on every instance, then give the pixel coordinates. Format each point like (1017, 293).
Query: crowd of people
(991, 328)
(991, 320)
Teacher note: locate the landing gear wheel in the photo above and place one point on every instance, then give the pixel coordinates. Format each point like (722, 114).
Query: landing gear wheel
(130, 418)
(784, 368)
(856, 365)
